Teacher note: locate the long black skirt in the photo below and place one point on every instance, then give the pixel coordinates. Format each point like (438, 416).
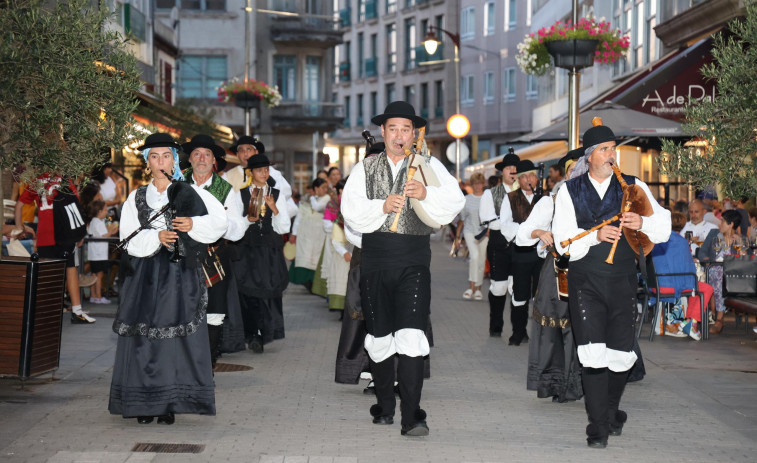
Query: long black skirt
(162, 357)
(351, 357)
(553, 367)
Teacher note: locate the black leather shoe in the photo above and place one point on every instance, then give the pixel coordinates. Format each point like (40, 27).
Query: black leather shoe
(166, 419)
(144, 419)
(616, 424)
(514, 340)
(386, 419)
(418, 429)
(495, 334)
(616, 430)
(256, 344)
(597, 442)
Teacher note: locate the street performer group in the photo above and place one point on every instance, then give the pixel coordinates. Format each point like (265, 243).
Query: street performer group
(204, 260)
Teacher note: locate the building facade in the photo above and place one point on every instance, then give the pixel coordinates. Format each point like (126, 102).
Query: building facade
(290, 46)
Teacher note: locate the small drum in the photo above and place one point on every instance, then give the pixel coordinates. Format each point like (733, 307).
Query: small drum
(561, 275)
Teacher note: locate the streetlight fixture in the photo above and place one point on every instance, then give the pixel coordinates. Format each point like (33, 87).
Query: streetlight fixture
(431, 43)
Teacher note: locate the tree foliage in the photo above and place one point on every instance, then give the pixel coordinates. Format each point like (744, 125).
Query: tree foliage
(67, 87)
(728, 123)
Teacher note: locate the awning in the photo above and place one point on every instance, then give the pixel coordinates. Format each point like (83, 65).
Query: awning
(179, 122)
(624, 122)
(538, 152)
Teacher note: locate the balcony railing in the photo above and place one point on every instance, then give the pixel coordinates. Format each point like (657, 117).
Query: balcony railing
(296, 115)
(371, 67)
(345, 17)
(421, 55)
(371, 9)
(344, 72)
(313, 32)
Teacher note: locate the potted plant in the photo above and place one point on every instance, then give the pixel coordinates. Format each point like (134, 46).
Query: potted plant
(249, 94)
(571, 45)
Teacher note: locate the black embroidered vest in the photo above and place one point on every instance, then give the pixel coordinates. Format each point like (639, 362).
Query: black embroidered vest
(591, 211)
(498, 194)
(521, 209)
(379, 185)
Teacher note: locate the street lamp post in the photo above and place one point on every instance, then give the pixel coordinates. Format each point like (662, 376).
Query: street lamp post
(247, 35)
(430, 43)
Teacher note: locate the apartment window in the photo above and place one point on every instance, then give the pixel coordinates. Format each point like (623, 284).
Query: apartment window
(201, 5)
(409, 3)
(391, 93)
(391, 48)
(409, 93)
(347, 115)
(374, 103)
(468, 23)
(410, 43)
(285, 75)
(651, 38)
(439, 98)
(312, 79)
(360, 11)
(508, 85)
(489, 18)
(511, 15)
(200, 76)
(337, 61)
(532, 87)
(360, 55)
(284, 5)
(391, 6)
(467, 94)
(424, 100)
(489, 87)
(360, 110)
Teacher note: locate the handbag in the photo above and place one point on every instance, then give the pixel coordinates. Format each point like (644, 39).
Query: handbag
(740, 276)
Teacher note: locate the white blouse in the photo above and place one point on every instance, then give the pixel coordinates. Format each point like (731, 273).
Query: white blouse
(364, 215)
(205, 229)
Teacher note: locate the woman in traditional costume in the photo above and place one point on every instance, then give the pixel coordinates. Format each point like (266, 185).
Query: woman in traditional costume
(318, 203)
(308, 235)
(259, 264)
(162, 362)
(341, 251)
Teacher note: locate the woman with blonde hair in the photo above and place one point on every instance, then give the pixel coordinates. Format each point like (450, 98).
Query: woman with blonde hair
(469, 226)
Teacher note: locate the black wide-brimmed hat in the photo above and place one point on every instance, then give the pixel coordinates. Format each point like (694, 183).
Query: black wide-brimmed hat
(572, 155)
(510, 159)
(248, 140)
(259, 160)
(597, 135)
(159, 139)
(525, 166)
(206, 141)
(399, 109)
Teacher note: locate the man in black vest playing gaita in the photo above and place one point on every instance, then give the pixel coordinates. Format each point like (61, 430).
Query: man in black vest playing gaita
(395, 281)
(602, 295)
(526, 263)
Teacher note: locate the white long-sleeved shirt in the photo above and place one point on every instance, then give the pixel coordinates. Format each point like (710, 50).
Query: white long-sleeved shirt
(205, 229)
(281, 184)
(319, 203)
(233, 205)
(539, 219)
(364, 215)
(486, 212)
(506, 224)
(656, 227)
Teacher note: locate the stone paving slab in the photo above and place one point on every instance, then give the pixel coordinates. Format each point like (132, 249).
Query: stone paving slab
(697, 402)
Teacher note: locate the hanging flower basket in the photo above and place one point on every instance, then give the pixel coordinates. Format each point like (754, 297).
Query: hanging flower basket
(576, 53)
(534, 57)
(249, 94)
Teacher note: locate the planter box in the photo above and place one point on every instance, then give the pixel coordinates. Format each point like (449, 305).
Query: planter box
(31, 300)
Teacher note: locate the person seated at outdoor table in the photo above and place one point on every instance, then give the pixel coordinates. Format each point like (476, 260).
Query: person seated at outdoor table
(25, 237)
(697, 225)
(673, 256)
(726, 242)
(752, 235)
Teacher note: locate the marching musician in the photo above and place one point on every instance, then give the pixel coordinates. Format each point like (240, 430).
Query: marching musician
(395, 282)
(162, 364)
(526, 263)
(553, 368)
(259, 265)
(204, 154)
(498, 249)
(602, 295)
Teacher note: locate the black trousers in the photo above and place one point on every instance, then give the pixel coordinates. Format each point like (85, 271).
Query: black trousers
(525, 282)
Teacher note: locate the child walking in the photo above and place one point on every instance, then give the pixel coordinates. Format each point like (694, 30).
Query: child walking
(97, 251)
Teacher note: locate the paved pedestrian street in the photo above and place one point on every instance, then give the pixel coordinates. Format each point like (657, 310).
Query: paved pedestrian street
(698, 402)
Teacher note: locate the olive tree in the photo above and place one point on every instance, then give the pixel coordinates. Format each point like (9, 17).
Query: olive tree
(728, 123)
